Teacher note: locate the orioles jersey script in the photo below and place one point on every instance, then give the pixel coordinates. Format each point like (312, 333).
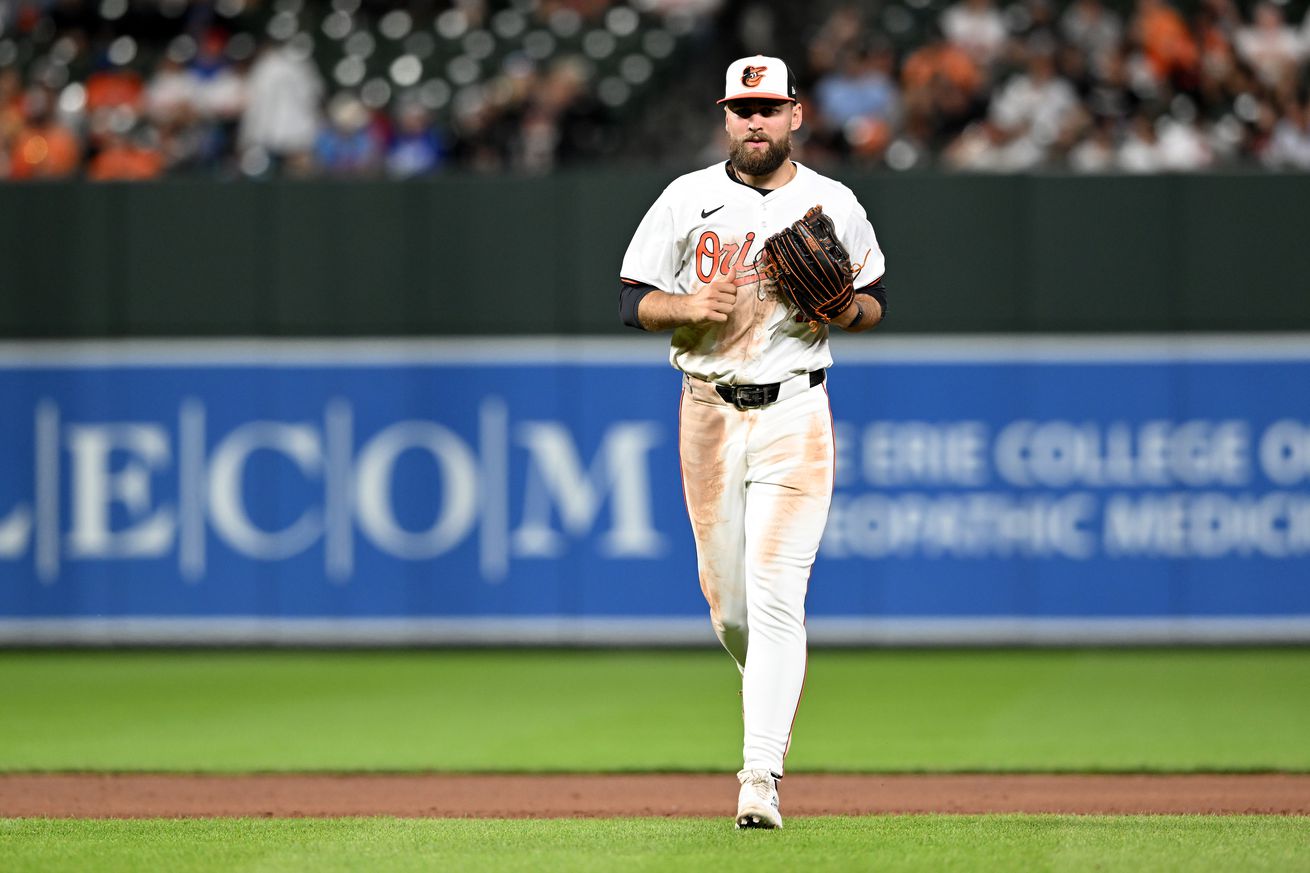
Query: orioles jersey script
(707, 221)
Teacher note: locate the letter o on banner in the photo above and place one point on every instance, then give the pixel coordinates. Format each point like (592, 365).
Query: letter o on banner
(457, 510)
(1285, 452)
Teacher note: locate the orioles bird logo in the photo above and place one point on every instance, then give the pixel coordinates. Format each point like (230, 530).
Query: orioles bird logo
(752, 76)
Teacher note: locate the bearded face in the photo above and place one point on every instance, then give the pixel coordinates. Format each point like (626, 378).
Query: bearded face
(759, 134)
(751, 160)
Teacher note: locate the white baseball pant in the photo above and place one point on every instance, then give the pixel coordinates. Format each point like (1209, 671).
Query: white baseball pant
(758, 484)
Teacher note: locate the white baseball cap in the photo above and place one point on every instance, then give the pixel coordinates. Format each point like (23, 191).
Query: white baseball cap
(760, 77)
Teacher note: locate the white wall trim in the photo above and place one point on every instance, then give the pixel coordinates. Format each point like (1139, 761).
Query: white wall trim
(643, 350)
(635, 632)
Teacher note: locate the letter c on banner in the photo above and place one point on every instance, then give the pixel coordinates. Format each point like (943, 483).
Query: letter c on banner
(459, 498)
(1014, 452)
(227, 505)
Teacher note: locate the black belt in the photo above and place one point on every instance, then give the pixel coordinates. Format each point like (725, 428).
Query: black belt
(755, 396)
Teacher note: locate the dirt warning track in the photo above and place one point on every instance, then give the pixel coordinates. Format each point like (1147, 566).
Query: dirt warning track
(558, 796)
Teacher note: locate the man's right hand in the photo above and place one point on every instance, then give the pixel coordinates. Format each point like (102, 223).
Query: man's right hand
(714, 301)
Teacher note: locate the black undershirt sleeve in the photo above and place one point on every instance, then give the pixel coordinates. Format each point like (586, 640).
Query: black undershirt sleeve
(877, 291)
(630, 295)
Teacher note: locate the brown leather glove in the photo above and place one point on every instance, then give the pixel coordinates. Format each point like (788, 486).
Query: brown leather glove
(811, 266)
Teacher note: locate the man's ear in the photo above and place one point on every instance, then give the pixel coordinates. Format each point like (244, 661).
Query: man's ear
(796, 116)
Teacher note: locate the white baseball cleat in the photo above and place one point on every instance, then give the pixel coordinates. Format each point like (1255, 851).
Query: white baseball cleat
(757, 805)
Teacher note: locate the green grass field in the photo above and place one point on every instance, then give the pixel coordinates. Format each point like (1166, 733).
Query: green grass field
(1161, 710)
(586, 711)
(1188, 844)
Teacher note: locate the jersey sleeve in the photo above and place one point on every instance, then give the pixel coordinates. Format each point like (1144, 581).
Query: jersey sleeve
(655, 252)
(862, 245)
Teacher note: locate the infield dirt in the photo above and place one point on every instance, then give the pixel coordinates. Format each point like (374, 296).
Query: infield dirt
(62, 795)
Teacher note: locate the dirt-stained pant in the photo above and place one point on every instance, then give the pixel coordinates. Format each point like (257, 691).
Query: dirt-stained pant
(758, 484)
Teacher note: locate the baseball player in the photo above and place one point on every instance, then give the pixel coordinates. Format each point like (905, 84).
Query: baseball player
(755, 430)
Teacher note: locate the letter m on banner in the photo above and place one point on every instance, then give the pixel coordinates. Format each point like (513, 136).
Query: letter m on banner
(620, 470)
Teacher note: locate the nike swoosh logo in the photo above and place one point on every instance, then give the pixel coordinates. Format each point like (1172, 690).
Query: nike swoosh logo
(707, 214)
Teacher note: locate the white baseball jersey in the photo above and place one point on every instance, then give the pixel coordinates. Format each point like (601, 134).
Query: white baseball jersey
(706, 221)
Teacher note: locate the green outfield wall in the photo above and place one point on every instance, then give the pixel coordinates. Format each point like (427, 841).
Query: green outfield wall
(469, 255)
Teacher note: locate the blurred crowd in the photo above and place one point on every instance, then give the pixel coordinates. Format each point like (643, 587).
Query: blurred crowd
(1077, 86)
(138, 89)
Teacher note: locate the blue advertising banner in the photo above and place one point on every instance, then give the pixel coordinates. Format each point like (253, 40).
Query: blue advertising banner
(528, 491)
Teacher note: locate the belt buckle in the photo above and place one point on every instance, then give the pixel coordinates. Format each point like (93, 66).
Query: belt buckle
(750, 396)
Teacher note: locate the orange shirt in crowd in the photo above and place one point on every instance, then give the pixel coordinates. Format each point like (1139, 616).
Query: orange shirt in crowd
(1166, 40)
(109, 88)
(47, 152)
(125, 163)
(943, 59)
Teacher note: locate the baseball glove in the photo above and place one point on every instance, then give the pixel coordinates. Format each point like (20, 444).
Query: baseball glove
(811, 266)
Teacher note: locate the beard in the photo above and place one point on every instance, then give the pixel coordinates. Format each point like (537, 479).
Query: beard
(749, 162)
